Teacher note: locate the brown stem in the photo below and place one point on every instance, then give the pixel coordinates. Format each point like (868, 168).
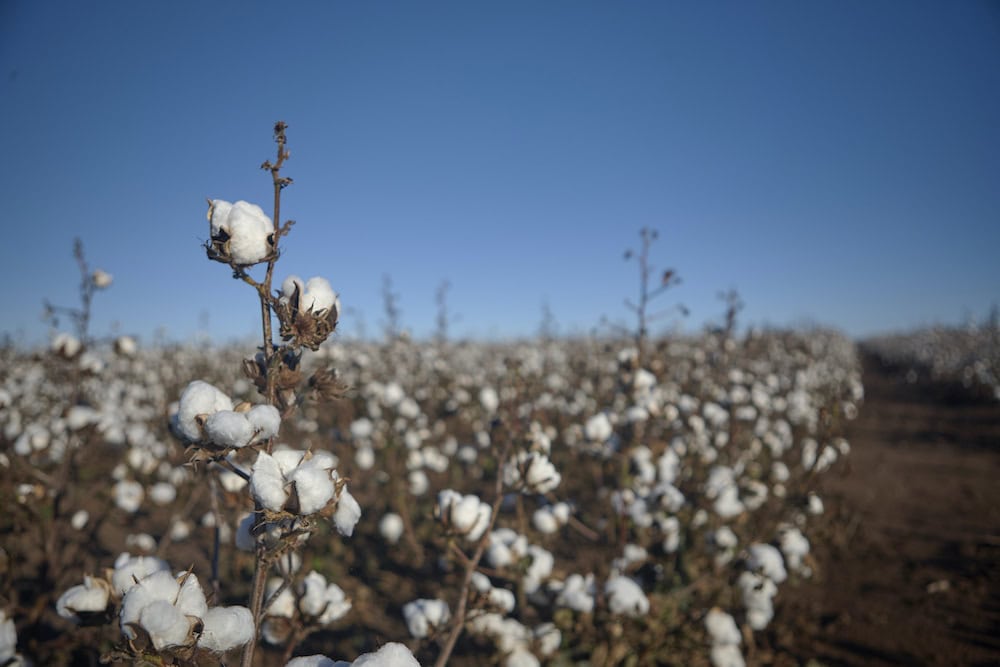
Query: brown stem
(470, 569)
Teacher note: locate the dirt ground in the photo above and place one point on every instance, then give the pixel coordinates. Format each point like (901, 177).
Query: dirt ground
(911, 575)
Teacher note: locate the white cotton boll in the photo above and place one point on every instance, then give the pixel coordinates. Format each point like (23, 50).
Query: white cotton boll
(313, 486)
(267, 484)
(130, 568)
(362, 428)
(80, 416)
(230, 481)
(625, 597)
(316, 661)
(157, 586)
(548, 638)
(80, 519)
(141, 542)
(489, 399)
(727, 505)
(226, 628)
(598, 428)
(502, 599)
(101, 279)
(226, 428)
(815, 504)
(89, 597)
(542, 562)
(283, 605)
(348, 513)
(408, 408)
(423, 615)
(265, 420)
(545, 521)
(128, 495)
(199, 398)
(218, 216)
(390, 655)
(319, 297)
(249, 229)
(794, 546)
(245, 540)
(165, 624)
(726, 655)
(8, 640)
(521, 657)
(288, 459)
(757, 592)
(66, 345)
(767, 559)
(126, 346)
(392, 394)
(418, 482)
(391, 527)
(191, 598)
(722, 627)
(322, 601)
(289, 286)
(577, 593)
(780, 472)
(163, 493)
(364, 457)
(180, 530)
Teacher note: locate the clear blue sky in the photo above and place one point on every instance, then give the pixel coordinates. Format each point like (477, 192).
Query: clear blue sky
(836, 162)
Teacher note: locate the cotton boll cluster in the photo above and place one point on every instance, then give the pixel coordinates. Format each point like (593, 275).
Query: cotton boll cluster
(725, 639)
(241, 233)
(206, 415)
(312, 603)
(531, 472)
(424, 616)
(392, 654)
(467, 515)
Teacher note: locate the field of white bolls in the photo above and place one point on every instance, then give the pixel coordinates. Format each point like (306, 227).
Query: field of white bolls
(636, 502)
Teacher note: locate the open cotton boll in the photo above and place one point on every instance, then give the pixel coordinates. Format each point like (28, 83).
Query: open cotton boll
(249, 229)
(322, 601)
(289, 286)
(89, 597)
(218, 216)
(128, 495)
(157, 586)
(423, 615)
(767, 560)
(191, 598)
(392, 654)
(265, 420)
(226, 628)
(319, 296)
(199, 398)
(391, 527)
(577, 593)
(229, 429)
(316, 661)
(313, 487)
(726, 655)
(165, 624)
(348, 513)
(721, 627)
(129, 569)
(625, 597)
(267, 484)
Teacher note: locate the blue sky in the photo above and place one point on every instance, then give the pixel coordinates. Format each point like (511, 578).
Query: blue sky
(835, 162)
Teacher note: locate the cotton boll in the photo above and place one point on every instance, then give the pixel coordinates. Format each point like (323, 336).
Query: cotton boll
(722, 628)
(625, 597)
(163, 493)
(322, 601)
(267, 484)
(757, 592)
(283, 606)
(348, 513)
(767, 560)
(548, 638)
(726, 655)
(191, 598)
(391, 527)
(249, 229)
(423, 615)
(159, 586)
(199, 398)
(165, 624)
(130, 568)
(101, 279)
(521, 657)
(544, 521)
(228, 429)
(577, 593)
(313, 486)
(128, 495)
(489, 399)
(226, 628)
(80, 519)
(265, 421)
(316, 661)
(390, 655)
(319, 296)
(143, 542)
(89, 597)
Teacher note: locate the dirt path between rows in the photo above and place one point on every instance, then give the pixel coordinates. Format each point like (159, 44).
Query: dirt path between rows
(911, 574)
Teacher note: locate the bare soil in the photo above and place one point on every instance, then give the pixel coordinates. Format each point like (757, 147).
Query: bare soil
(911, 574)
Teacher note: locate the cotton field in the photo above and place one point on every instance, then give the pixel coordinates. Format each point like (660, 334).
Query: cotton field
(611, 512)
(317, 501)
